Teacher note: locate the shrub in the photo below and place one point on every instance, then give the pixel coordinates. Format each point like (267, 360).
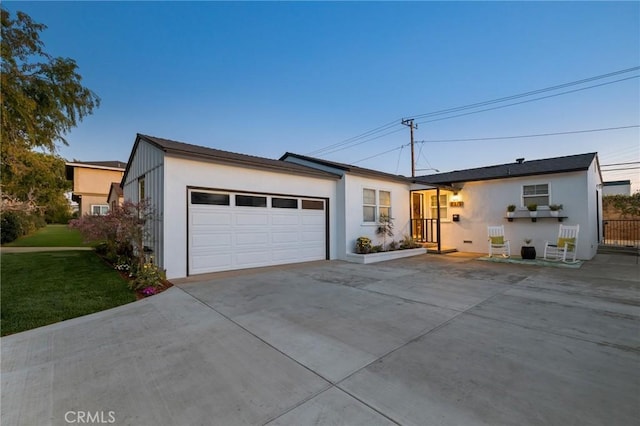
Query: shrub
(10, 227)
(16, 224)
(148, 276)
(393, 245)
(408, 243)
(363, 245)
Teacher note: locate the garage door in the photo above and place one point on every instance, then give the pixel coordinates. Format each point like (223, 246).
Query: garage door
(230, 230)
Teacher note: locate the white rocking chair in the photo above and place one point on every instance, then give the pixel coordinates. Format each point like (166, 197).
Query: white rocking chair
(566, 247)
(497, 242)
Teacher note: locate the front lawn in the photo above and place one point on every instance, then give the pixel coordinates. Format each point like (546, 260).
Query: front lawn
(51, 236)
(48, 287)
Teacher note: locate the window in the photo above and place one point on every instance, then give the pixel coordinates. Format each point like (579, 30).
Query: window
(369, 205)
(251, 201)
(284, 203)
(385, 203)
(99, 209)
(141, 192)
(535, 194)
(210, 198)
(312, 205)
(375, 204)
(443, 206)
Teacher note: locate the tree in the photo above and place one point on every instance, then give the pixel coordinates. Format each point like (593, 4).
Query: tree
(42, 100)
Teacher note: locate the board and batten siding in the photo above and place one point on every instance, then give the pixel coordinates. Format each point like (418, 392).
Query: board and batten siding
(148, 162)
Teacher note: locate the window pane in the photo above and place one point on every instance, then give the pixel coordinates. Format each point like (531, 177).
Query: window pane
(368, 214)
(312, 205)
(369, 196)
(251, 201)
(385, 198)
(284, 203)
(386, 211)
(209, 198)
(540, 200)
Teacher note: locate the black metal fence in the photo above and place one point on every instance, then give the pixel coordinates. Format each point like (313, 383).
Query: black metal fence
(621, 232)
(425, 230)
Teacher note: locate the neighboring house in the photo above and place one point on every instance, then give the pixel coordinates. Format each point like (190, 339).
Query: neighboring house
(472, 199)
(91, 183)
(217, 210)
(116, 196)
(617, 187)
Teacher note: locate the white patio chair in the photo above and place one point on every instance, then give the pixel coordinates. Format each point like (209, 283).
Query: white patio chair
(497, 242)
(566, 246)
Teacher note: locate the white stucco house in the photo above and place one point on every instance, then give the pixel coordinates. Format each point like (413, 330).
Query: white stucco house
(217, 210)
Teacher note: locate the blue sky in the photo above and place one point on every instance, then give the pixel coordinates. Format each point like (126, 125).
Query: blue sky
(270, 77)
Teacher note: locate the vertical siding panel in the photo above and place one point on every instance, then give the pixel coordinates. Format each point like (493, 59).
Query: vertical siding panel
(148, 161)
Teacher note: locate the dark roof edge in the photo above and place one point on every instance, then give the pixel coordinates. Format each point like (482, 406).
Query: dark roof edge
(361, 171)
(218, 156)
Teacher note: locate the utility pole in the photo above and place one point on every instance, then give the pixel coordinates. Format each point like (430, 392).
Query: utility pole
(409, 122)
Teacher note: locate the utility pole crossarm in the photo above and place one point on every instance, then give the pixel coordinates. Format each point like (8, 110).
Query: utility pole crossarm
(409, 122)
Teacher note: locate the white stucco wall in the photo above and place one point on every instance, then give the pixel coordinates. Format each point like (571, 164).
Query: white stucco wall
(354, 225)
(485, 204)
(181, 173)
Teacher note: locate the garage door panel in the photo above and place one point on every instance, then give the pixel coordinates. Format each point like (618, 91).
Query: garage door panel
(284, 237)
(315, 236)
(209, 239)
(207, 263)
(258, 218)
(316, 219)
(285, 219)
(249, 259)
(244, 238)
(227, 237)
(211, 218)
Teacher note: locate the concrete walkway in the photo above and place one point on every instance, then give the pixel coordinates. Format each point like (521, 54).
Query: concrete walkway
(442, 340)
(38, 249)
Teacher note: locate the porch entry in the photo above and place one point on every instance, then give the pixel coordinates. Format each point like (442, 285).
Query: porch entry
(428, 209)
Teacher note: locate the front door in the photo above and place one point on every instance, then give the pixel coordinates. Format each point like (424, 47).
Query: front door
(417, 215)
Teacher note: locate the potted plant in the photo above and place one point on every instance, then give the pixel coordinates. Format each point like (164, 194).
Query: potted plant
(528, 251)
(533, 210)
(554, 209)
(511, 208)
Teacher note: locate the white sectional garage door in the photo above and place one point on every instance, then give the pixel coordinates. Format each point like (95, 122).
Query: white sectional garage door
(230, 230)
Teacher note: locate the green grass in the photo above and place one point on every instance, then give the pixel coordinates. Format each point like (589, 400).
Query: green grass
(51, 236)
(48, 287)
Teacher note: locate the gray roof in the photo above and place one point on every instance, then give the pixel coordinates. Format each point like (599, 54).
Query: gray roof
(348, 168)
(570, 163)
(225, 157)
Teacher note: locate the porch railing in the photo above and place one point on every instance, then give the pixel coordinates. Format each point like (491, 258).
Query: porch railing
(425, 230)
(621, 232)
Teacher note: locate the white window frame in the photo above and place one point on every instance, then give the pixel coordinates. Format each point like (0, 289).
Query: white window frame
(444, 207)
(102, 211)
(525, 203)
(377, 206)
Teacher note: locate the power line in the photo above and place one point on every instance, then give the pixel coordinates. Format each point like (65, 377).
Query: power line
(498, 138)
(348, 143)
(525, 94)
(620, 164)
(529, 100)
(529, 136)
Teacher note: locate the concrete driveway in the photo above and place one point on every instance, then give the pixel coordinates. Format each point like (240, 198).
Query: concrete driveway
(429, 340)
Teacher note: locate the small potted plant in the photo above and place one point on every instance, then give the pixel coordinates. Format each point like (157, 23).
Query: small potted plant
(528, 251)
(533, 210)
(554, 209)
(511, 208)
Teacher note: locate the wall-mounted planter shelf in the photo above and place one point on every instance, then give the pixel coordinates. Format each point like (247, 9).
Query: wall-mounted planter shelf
(534, 219)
